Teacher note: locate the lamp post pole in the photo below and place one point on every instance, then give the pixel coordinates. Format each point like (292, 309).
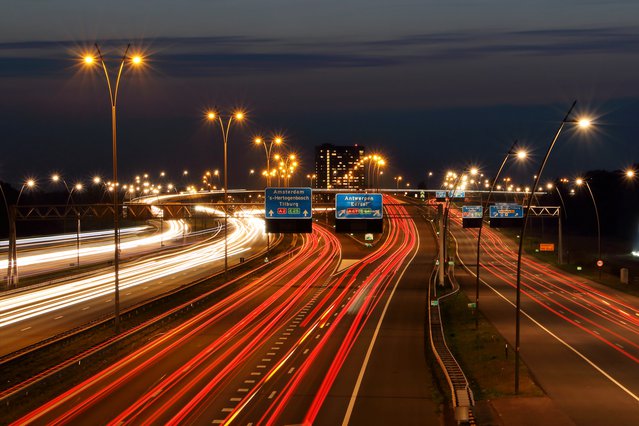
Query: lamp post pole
(225, 138)
(522, 235)
(510, 152)
(594, 203)
(113, 97)
(6, 206)
(12, 264)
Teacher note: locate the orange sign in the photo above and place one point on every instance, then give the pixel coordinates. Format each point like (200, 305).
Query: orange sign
(546, 247)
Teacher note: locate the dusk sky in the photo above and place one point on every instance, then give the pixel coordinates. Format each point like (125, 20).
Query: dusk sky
(432, 85)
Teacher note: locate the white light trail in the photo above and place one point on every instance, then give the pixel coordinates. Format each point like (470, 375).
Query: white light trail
(175, 229)
(22, 306)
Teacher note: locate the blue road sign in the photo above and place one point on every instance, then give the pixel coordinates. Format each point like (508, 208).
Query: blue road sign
(358, 206)
(472, 212)
(506, 211)
(458, 193)
(288, 203)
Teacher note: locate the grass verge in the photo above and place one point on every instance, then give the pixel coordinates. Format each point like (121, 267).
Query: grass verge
(482, 353)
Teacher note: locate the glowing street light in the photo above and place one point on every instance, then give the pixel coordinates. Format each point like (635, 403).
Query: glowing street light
(213, 116)
(512, 152)
(134, 61)
(267, 149)
(580, 182)
(582, 123)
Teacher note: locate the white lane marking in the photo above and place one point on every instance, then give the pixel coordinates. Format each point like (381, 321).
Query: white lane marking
(351, 403)
(58, 317)
(272, 395)
(256, 373)
(305, 351)
(249, 381)
(217, 422)
(270, 353)
(243, 390)
(261, 366)
(85, 308)
(566, 344)
(25, 329)
(291, 370)
(266, 359)
(235, 399)
(227, 410)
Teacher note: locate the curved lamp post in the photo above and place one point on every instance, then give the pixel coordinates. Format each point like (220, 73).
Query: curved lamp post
(12, 264)
(450, 194)
(580, 182)
(213, 116)
(583, 123)
(512, 152)
(134, 61)
(267, 149)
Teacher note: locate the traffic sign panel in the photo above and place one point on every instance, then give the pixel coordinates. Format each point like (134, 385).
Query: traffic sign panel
(358, 206)
(288, 203)
(458, 193)
(507, 211)
(472, 212)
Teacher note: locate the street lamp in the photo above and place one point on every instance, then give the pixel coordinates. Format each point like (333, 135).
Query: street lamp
(520, 154)
(582, 123)
(267, 149)
(213, 116)
(311, 178)
(12, 264)
(397, 180)
(134, 61)
(580, 182)
(77, 187)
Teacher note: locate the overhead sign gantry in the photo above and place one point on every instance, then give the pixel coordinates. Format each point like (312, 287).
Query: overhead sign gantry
(288, 210)
(359, 213)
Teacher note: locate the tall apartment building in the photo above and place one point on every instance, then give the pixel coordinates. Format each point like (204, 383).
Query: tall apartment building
(339, 167)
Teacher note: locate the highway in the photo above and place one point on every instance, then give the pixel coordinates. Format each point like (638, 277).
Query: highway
(299, 345)
(579, 339)
(31, 315)
(41, 255)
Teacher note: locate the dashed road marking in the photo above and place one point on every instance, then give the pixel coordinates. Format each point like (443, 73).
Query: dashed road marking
(272, 395)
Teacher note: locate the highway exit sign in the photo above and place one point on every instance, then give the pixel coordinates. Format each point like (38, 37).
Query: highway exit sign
(288, 203)
(358, 206)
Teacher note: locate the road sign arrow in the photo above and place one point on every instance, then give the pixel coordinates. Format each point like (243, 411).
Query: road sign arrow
(305, 213)
(270, 212)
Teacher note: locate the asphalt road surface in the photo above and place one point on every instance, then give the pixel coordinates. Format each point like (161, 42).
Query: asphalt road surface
(579, 339)
(310, 342)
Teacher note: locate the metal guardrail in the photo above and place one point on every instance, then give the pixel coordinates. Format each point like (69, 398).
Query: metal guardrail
(461, 394)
